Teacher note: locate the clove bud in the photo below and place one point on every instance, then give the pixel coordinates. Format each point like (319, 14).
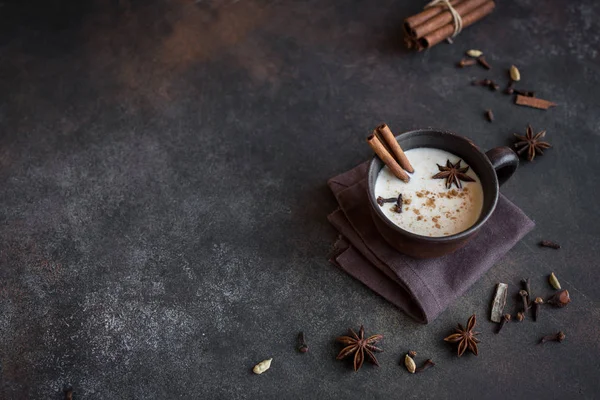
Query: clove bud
(524, 294)
(302, 346)
(520, 316)
(505, 319)
(426, 365)
(467, 62)
(557, 337)
(481, 60)
(560, 298)
(536, 307)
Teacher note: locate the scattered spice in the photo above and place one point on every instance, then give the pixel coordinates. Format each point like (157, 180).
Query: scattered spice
(483, 82)
(398, 207)
(412, 353)
(526, 93)
(509, 88)
(302, 346)
(358, 345)
(553, 280)
(560, 298)
(409, 363)
(465, 337)
(557, 337)
(381, 201)
(481, 60)
(515, 75)
(536, 307)
(548, 243)
(487, 82)
(524, 295)
(527, 285)
(262, 366)
(534, 102)
(489, 115)
(499, 302)
(474, 53)
(530, 143)
(520, 316)
(505, 319)
(467, 62)
(453, 174)
(426, 365)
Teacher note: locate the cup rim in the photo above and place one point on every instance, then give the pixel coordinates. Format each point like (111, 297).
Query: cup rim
(436, 239)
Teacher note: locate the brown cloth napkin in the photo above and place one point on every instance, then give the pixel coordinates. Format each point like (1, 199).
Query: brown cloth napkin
(421, 288)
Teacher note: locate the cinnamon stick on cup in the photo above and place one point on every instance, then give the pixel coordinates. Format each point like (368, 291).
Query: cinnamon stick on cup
(392, 143)
(387, 158)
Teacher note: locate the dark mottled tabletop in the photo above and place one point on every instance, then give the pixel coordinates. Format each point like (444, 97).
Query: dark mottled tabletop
(163, 200)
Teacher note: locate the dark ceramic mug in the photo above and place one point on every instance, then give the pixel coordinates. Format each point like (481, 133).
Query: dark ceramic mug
(493, 169)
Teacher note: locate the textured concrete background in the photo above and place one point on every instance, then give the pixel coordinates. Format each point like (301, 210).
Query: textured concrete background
(163, 201)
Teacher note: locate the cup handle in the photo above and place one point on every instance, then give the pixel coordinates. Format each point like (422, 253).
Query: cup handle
(505, 161)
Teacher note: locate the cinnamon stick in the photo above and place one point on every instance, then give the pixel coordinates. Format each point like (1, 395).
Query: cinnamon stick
(447, 30)
(533, 102)
(394, 146)
(423, 16)
(387, 158)
(445, 17)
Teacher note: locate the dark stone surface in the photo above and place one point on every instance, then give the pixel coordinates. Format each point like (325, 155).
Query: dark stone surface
(163, 201)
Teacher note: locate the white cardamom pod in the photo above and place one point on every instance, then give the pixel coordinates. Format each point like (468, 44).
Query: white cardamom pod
(262, 366)
(474, 53)
(410, 364)
(515, 75)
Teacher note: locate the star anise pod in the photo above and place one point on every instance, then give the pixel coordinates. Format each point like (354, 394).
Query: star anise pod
(359, 346)
(453, 173)
(530, 143)
(465, 337)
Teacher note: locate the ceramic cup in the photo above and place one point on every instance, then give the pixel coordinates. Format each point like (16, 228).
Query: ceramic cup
(493, 168)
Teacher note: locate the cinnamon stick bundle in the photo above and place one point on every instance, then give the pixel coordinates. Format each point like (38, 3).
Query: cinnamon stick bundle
(435, 24)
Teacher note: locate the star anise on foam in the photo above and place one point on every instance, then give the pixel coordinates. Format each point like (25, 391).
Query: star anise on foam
(530, 143)
(359, 346)
(465, 337)
(453, 173)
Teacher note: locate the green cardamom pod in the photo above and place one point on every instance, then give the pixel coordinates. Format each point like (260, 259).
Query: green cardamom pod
(554, 281)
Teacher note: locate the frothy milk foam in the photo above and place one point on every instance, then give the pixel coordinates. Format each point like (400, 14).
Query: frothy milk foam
(428, 208)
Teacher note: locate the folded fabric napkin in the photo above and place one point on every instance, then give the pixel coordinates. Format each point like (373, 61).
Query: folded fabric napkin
(421, 288)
